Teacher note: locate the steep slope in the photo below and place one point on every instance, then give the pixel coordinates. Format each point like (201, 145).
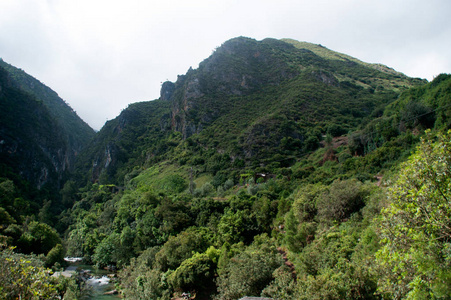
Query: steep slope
(428, 105)
(419, 108)
(134, 137)
(252, 101)
(40, 135)
(76, 131)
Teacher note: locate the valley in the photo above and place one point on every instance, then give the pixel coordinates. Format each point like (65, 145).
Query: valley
(277, 169)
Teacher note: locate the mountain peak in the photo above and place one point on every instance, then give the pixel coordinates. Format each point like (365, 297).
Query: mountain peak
(257, 98)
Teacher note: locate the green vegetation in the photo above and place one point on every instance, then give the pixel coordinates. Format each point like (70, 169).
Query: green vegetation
(277, 169)
(75, 131)
(415, 229)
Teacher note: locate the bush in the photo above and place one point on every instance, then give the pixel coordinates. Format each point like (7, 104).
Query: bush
(24, 277)
(414, 261)
(56, 255)
(343, 198)
(249, 272)
(228, 184)
(195, 273)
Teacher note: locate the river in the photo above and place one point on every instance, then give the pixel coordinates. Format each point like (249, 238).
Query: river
(98, 281)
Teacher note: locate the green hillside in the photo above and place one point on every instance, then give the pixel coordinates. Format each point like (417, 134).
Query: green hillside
(41, 134)
(76, 131)
(250, 102)
(312, 223)
(40, 137)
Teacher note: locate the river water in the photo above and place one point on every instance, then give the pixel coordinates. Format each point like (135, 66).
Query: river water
(98, 281)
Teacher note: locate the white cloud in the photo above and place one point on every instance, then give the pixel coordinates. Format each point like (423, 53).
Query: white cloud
(102, 55)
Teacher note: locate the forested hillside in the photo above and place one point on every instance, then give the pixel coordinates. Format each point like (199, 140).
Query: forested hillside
(40, 134)
(277, 169)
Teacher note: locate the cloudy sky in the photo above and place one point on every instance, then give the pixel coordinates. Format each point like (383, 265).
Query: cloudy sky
(99, 56)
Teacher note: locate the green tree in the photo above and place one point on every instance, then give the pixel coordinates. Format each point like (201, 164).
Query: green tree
(343, 198)
(5, 219)
(56, 255)
(249, 272)
(196, 273)
(181, 247)
(68, 193)
(38, 238)
(232, 226)
(110, 251)
(415, 260)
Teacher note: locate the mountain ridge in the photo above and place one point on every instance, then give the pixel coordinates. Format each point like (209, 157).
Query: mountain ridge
(252, 84)
(53, 131)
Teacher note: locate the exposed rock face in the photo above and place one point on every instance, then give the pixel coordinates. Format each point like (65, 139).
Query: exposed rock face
(187, 95)
(326, 78)
(106, 161)
(167, 90)
(240, 66)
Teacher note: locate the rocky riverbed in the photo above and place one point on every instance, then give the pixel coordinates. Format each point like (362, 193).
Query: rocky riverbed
(100, 283)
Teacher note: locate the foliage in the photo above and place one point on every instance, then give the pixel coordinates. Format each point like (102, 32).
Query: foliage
(38, 238)
(179, 248)
(196, 273)
(24, 277)
(250, 271)
(55, 255)
(342, 199)
(414, 259)
(336, 265)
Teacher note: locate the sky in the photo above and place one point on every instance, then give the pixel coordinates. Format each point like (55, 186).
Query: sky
(102, 55)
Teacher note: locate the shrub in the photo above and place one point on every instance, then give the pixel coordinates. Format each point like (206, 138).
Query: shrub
(343, 198)
(56, 255)
(249, 272)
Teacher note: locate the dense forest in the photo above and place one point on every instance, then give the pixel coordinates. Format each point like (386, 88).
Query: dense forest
(276, 169)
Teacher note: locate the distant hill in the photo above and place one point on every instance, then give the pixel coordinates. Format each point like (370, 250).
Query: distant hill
(40, 135)
(251, 103)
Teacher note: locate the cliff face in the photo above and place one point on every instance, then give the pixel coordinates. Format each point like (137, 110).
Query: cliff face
(40, 136)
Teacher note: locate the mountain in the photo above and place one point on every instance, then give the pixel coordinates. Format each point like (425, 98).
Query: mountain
(278, 169)
(40, 135)
(246, 105)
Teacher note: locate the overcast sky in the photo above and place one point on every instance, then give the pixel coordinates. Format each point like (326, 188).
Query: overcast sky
(100, 56)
